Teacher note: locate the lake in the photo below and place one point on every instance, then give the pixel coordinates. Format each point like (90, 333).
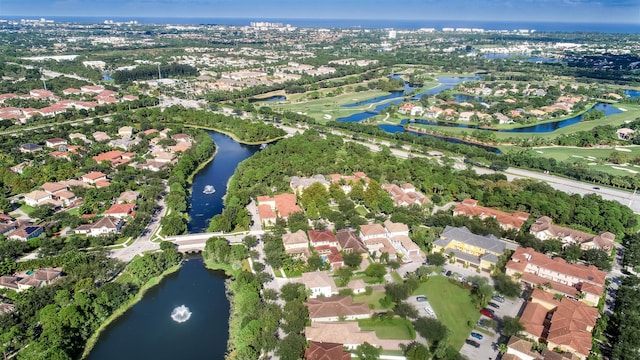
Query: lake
(147, 330)
(203, 207)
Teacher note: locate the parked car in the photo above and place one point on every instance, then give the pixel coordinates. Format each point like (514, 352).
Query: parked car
(487, 313)
(498, 298)
(473, 343)
(443, 272)
(476, 335)
(448, 273)
(421, 298)
(490, 310)
(494, 305)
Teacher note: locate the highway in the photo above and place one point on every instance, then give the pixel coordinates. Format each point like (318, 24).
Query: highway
(568, 186)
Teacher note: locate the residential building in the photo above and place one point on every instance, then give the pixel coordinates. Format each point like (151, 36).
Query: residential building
(347, 181)
(282, 205)
(93, 177)
(543, 229)
(322, 237)
(564, 325)
(470, 249)
(55, 142)
(39, 278)
(104, 226)
(120, 210)
(470, 208)
(347, 333)
(30, 148)
(326, 351)
(296, 245)
(26, 232)
(128, 197)
(320, 284)
(405, 195)
(519, 349)
(573, 280)
(298, 184)
(37, 197)
(125, 132)
(101, 136)
(27, 280)
(375, 239)
(625, 133)
(337, 308)
(349, 242)
(115, 157)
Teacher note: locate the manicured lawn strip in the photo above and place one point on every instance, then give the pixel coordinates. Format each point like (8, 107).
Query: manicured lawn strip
(27, 209)
(372, 300)
(452, 305)
(563, 153)
(396, 328)
(396, 277)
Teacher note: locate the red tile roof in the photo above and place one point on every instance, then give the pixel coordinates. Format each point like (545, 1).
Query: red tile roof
(470, 208)
(325, 351)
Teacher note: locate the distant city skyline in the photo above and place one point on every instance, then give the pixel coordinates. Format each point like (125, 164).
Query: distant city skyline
(578, 11)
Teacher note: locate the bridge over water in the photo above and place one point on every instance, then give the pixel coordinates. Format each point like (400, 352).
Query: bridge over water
(196, 242)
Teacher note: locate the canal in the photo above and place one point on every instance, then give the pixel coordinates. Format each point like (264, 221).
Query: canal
(147, 330)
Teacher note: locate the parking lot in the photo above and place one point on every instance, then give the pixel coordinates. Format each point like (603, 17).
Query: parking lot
(423, 307)
(489, 344)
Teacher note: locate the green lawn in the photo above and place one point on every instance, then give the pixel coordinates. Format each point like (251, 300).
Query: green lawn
(27, 209)
(373, 300)
(396, 277)
(396, 328)
(452, 305)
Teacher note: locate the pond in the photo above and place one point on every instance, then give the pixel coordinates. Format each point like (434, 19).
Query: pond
(147, 330)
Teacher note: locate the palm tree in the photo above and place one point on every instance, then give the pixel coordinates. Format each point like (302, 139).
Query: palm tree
(503, 348)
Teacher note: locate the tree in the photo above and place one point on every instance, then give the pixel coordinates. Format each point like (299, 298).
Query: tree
(397, 292)
(376, 270)
(405, 310)
(417, 351)
(352, 259)
(572, 252)
(431, 329)
(291, 347)
(504, 285)
(436, 259)
(511, 326)
(173, 224)
(366, 351)
(293, 291)
(250, 241)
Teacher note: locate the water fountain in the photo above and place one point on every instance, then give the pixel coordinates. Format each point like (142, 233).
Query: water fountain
(180, 314)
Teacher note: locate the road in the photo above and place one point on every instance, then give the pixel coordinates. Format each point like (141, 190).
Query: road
(143, 243)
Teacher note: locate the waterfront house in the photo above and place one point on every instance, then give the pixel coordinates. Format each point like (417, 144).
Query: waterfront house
(336, 308)
(326, 351)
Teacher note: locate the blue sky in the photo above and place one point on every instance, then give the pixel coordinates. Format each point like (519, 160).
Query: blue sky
(596, 11)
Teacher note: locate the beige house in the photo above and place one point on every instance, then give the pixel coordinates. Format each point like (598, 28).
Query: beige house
(296, 245)
(319, 283)
(337, 308)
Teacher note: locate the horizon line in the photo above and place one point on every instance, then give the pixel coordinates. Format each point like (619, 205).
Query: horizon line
(315, 18)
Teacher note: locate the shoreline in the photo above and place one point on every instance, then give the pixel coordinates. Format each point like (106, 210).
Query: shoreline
(154, 281)
(232, 135)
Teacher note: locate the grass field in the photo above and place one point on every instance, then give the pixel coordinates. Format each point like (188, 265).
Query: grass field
(396, 328)
(594, 158)
(373, 300)
(452, 305)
